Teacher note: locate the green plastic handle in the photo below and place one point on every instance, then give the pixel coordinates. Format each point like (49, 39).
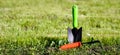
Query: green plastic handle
(75, 15)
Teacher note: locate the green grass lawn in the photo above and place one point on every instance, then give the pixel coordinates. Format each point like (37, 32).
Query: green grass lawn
(38, 27)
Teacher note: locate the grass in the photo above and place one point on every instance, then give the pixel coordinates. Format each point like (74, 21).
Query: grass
(31, 27)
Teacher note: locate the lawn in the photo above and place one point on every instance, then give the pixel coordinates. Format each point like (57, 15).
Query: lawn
(39, 27)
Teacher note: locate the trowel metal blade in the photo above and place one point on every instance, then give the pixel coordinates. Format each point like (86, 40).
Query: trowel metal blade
(70, 35)
(79, 35)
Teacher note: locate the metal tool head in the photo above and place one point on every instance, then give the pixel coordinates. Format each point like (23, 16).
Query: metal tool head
(70, 35)
(75, 35)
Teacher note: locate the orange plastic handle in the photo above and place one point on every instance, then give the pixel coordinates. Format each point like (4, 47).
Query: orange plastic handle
(70, 46)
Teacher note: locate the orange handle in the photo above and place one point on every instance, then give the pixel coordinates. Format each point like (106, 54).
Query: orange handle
(71, 45)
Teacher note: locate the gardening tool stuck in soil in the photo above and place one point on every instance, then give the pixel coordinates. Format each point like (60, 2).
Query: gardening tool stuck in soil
(75, 35)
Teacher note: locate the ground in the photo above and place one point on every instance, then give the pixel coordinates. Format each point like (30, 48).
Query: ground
(37, 27)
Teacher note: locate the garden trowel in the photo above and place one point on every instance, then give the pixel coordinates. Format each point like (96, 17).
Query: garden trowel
(74, 35)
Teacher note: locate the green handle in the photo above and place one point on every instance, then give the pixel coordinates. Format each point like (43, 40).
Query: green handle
(75, 16)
